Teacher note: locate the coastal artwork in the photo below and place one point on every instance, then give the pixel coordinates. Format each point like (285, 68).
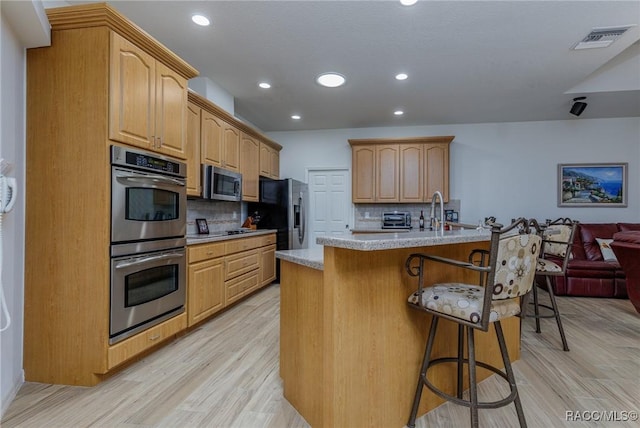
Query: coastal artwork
(592, 185)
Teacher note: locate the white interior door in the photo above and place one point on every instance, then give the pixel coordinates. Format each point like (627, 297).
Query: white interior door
(330, 209)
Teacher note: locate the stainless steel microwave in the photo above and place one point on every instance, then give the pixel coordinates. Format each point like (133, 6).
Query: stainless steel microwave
(221, 184)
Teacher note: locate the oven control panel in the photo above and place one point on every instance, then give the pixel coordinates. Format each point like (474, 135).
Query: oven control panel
(147, 161)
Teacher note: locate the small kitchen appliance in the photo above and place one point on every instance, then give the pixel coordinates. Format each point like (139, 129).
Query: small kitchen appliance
(396, 220)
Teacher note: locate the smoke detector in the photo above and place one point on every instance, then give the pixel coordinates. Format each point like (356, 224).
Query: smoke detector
(601, 37)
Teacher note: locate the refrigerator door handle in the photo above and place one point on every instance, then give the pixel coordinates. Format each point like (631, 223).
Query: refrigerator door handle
(301, 229)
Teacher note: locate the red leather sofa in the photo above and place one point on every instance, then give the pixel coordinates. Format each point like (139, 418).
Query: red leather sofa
(588, 274)
(626, 246)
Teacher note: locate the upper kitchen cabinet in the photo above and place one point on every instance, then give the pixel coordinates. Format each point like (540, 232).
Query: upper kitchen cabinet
(249, 167)
(229, 143)
(147, 101)
(102, 81)
(270, 159)
(406, 170)
(194, 115)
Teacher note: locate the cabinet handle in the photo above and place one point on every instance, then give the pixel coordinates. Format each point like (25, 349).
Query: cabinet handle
(154, 337)
(159, 139)
(209, 253)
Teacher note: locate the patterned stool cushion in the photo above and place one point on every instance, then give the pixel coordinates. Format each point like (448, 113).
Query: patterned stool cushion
(547, 266)
(464, 301)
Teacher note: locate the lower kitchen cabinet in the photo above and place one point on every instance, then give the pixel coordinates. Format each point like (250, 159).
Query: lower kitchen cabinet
(223, 272)
(205, 294)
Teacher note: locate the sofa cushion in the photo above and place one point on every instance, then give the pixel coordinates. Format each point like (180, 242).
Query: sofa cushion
(606, 268)
(632, 237)
(588, 234)
(624, 227)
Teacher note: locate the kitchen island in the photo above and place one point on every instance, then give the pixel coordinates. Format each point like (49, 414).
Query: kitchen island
(350, 347)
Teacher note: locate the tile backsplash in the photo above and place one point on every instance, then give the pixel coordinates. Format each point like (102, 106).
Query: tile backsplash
(220, 215)
(369, 216)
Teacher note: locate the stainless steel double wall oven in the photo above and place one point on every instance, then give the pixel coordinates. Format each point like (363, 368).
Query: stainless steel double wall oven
(148, 226)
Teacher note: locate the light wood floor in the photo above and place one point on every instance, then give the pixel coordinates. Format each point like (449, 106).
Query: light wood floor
(225, 374)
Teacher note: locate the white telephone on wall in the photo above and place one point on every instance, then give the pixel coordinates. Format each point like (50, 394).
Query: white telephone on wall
(8, 198)
(7, 193)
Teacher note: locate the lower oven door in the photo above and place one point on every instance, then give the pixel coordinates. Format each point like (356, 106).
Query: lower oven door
(146, 289)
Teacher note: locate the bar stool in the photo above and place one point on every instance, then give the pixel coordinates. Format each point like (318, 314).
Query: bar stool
(503, 280)
(554, 256)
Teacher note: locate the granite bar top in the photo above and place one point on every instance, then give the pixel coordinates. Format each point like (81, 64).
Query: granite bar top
(389, 241)
(222, 236)
(313, 258)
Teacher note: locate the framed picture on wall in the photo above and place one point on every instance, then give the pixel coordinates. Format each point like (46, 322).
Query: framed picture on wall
(592, 185)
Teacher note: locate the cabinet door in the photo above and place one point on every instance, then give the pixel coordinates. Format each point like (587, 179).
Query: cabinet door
(388, 173)
(436, 170)
(411, 173)
(231, 142)
(131, 94)
(193, 150)
(250, 168)
(363, 166)
(275, 164)
(171, 112)
(267, 265)
(265, 160)
(205, 290)
(211, 139)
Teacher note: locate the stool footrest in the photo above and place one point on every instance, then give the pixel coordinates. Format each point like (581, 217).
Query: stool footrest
(540, 305)
(481, 404)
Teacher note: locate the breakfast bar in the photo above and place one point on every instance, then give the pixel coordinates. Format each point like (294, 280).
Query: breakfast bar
(350, 348)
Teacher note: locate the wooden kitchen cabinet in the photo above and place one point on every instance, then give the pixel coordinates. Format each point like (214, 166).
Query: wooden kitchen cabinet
(223, 272)
(211, 138)
(411, 173)
(387, 173)
(147, 101)
(436, 160)
(363, 171)
(267, 264)
(250, 167)
(231, 143)
(206, 289)
(269, 161)
(82, 96)
(194, 114)
(402, 170)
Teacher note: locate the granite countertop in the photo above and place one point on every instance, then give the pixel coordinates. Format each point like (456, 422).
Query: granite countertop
(388, 241)
(222, 236)
(313, 257)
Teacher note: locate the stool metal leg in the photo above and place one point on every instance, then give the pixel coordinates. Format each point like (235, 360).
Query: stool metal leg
(535, 307)
(473, 387)
(510, 377)
(460, 359)
(423, 372)
(552, 296)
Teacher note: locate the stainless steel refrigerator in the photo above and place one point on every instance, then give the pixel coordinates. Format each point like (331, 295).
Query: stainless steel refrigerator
(282, 206)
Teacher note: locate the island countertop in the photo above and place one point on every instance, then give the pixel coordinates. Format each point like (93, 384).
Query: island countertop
(389, 241)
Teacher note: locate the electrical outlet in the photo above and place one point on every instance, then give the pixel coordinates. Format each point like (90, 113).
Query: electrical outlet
(235, 215)
(366, 215)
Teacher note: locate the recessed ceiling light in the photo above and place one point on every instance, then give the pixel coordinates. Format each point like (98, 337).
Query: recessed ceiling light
(408, 2)
(296, 117)
(401, 76)
(330, 80)
(200, 20)
(398, 112)
(264, 85)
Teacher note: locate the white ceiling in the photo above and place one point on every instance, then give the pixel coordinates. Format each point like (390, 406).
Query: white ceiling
(468, 61)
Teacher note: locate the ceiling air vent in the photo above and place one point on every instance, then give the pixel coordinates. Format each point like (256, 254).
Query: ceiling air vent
(601, 37)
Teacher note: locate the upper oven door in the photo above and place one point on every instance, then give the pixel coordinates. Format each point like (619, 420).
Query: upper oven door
(146, 205)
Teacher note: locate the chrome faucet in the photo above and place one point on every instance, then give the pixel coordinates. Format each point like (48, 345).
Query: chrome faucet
(432, 217)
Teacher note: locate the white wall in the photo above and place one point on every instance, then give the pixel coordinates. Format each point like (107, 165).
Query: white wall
(12, 149)
(502, 169)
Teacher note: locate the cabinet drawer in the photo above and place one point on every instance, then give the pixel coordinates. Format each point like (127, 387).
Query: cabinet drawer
(129, 348)
(198, 253)
(240, 286)
(238, 264)
(242, 244)
(267, 240)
